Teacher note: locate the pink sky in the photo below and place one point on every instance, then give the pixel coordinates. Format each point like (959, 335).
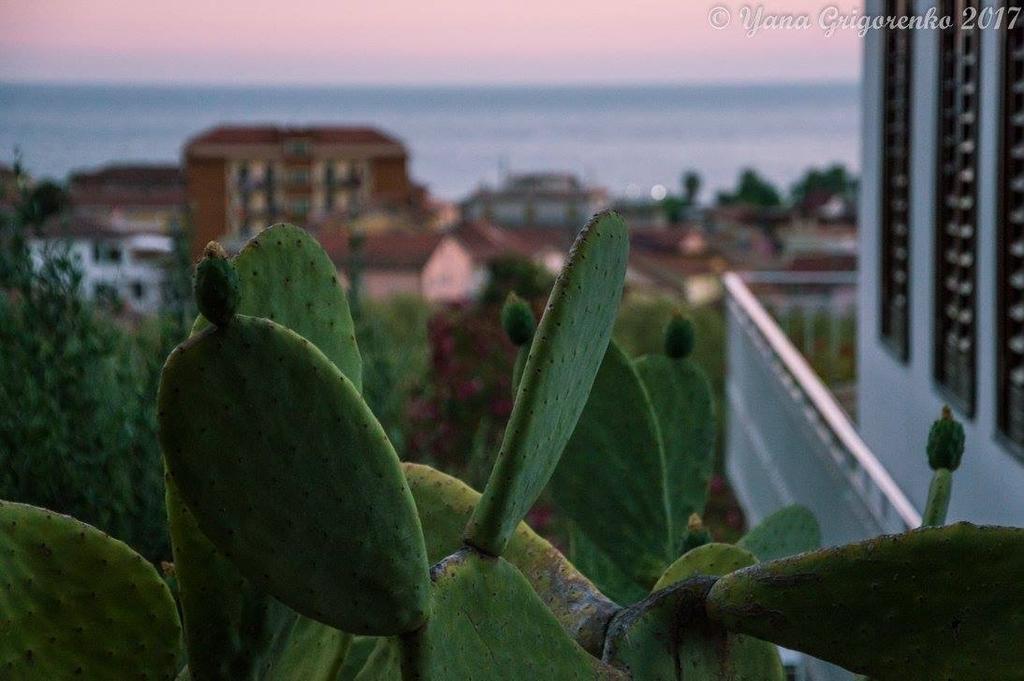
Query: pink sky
(402, 41)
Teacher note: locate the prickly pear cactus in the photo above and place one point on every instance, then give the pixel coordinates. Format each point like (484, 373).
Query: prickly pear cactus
(685, 411)
(565, 355)
(286, 497)
(720, 655)
(934, 603)
(667, 637)
(235, 630)
(75, 603)
(615, 455)
(488, 623)
(445, 503)
(316, 446)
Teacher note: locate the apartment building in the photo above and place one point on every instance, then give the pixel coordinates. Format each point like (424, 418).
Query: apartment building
(242, 178)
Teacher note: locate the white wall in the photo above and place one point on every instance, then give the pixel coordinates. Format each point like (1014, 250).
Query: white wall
(897, 402)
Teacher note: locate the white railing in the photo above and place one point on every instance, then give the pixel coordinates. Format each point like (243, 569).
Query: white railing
(789, 440)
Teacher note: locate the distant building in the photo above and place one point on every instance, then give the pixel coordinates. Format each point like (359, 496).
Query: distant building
(453, 266)
(130, 197)
(552, 200)
(241, 179)
(130, 267)
(641, 214)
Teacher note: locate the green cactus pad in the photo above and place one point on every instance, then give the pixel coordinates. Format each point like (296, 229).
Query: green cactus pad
(612, 479)
(230, 626)
(287, 277)
(602, 570)
(271, 447)
(445, 504)
(487, 623)
(787, 532)
(235, 631)
(933, 603)
(713, 560)
(356, 656)
(684, 407)
(309, 651)
(384, 662)
(741, 657)
(75, 603)
(667, 636)
(564, 358)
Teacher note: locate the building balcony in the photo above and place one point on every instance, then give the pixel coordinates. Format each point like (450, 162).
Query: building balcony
(789, 439)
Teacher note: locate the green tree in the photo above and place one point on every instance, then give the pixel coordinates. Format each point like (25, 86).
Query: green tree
(752, 190)
(77, 398)
(834, 179)
(691, 187)
(40, 202)
(510, 274)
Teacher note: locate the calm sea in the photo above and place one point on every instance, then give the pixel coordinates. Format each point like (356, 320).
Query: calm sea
(625, 138)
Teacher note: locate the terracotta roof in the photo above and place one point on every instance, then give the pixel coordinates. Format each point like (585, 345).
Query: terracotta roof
(78, 226)
(388, 250)
(92, 197)
(486, 241)
(272, 134)
(118, 185)
(823, 263)
(134, 175)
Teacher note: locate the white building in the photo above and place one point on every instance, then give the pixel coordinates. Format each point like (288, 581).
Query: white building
(939, 301)
(128, 266)
(942, 253)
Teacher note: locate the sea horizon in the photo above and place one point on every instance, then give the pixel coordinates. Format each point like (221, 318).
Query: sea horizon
(627, 137)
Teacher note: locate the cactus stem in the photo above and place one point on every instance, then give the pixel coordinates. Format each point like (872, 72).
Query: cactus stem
(938, 498)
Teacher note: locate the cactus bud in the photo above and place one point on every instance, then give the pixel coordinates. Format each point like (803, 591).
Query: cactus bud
(696, 534)
(216, 285)
(945, 442)
(679, 337)
(517, 320)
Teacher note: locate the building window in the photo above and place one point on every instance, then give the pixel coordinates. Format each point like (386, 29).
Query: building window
(298, 148)
(1010, 242)
(895, 191)
(955, 296)
(299, 207)
(298, 176)
(138, 290)
(106, 253)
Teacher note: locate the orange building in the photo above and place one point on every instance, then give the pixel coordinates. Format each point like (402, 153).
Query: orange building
(240, 179)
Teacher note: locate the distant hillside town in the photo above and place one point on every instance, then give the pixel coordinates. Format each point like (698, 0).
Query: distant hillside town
(351, 187)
